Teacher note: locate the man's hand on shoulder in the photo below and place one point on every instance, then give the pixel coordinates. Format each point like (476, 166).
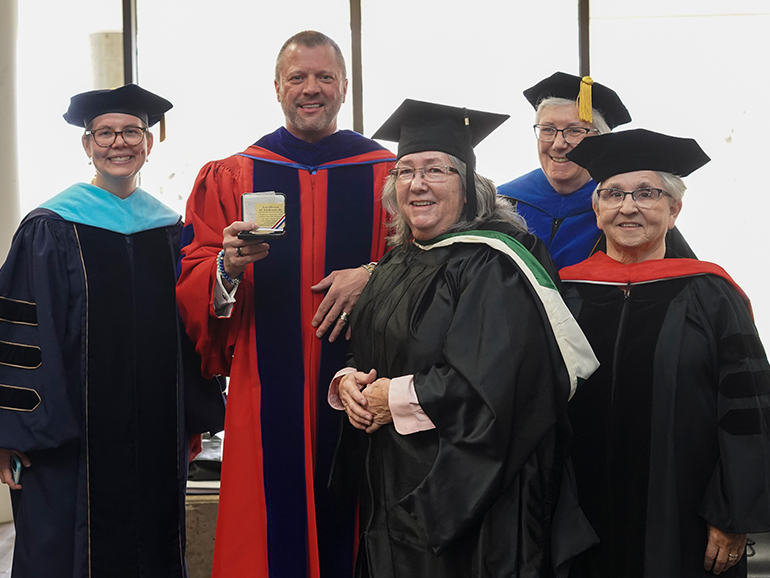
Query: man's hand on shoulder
(342, 288)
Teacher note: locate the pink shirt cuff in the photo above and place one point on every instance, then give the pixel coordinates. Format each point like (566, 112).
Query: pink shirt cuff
(408, 416)
(334, 387)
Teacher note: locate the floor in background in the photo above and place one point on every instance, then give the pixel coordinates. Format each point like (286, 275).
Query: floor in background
(759, 564)
(6, 549)
(201, 525)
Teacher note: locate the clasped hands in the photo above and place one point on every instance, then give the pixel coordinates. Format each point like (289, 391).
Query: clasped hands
(365, 399)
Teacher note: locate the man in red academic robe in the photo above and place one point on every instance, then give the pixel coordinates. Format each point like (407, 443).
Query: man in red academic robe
(256, 324)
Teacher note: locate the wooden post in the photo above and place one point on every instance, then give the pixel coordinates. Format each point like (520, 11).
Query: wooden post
(584, 39)
(9, 159)
(130, 73)
(356, 66)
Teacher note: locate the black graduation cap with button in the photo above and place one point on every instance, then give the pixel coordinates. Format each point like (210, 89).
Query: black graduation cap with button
(129, 99)
(586, 92)
(419, 126)
(616, 153)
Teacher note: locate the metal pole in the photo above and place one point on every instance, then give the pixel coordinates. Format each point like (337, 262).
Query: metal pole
(356, 68)
(584, 30)
(130, 73)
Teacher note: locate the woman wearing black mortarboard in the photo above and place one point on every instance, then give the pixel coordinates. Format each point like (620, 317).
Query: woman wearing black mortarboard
(463, 359)
(555, 199)
(672, 436)
(91, 364)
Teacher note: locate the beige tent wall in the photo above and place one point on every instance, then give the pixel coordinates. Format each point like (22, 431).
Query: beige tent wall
(9, 191)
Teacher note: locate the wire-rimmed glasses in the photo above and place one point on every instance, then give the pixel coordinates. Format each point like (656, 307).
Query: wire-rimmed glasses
(644, 197)
(430, 173)
(571, 134)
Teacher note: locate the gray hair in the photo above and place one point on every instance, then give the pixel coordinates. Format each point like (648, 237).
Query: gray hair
(672, 184)
(490, 208)
(552, 102)
(309, 39)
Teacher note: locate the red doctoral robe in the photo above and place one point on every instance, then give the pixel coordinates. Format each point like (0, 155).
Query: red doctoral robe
(276, 517)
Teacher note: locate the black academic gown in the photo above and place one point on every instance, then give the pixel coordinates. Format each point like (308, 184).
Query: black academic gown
(91, 390)
(474, 497)
(671, 432)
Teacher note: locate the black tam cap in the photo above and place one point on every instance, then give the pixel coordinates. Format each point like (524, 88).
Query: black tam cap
(613, 154)
(593, 95)
(129, 99)
(420, 126)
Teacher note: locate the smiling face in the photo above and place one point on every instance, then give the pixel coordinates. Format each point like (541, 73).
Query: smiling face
(117, 166)
(311, 90)
(565, 176)
(633, 234)
(430, 209)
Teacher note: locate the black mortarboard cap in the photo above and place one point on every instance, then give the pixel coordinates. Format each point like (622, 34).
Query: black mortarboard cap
(129, 99)
(420, 126)
(569, 86)
(627, 151)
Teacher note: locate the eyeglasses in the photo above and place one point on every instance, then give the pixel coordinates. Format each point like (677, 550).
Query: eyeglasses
(571, 134)
(430, 173)
(106, 137)
(645, 198)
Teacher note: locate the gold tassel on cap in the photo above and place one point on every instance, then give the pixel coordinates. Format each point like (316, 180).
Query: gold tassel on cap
(163, 128)
(584, 104)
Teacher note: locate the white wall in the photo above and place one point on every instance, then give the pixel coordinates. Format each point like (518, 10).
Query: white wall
(684, 68)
